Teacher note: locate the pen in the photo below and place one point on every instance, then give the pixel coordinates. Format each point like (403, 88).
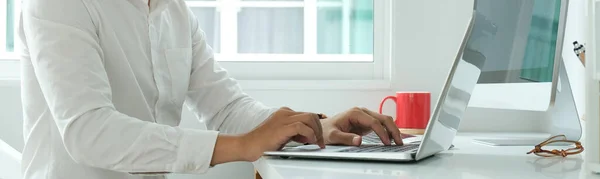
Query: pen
(321, 116)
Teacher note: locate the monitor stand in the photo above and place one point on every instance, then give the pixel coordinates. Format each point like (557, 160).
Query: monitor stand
(562, 118)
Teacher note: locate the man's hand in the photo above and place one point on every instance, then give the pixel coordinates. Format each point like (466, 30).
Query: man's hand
(287, 125)
(283, 126)
(347, 128)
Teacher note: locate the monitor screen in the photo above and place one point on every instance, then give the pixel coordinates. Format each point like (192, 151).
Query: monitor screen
(517, 38)
(521, 42)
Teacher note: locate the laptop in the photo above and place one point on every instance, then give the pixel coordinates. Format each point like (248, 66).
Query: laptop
(440, 131)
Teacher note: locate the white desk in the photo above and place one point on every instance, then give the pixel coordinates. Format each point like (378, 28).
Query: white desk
(467, 160)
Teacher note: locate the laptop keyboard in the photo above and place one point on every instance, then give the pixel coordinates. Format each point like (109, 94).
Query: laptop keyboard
(382, 148)
(372, 138)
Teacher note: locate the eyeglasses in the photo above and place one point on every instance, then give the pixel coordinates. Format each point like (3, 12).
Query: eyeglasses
(552, 153)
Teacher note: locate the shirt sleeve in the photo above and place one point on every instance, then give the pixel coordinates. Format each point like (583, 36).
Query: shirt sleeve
(67, 59)
(214, 96)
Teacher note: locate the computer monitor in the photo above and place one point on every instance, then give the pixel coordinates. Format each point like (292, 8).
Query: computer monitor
(522, 42)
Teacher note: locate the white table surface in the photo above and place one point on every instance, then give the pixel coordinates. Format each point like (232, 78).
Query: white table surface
(467, 160)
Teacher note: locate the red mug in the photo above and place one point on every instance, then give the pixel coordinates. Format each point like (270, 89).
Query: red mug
(412, 109)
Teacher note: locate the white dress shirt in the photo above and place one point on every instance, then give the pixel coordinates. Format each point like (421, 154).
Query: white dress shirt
(104, 83)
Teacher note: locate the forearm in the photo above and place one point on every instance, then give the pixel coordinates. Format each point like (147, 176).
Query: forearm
(228, 148)
(107, 139)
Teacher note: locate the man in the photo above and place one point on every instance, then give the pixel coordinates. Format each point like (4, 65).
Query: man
(104, 83)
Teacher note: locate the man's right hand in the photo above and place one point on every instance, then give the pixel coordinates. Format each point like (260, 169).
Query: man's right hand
(281, 127)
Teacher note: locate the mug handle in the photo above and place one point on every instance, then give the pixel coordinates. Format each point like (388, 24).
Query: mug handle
(383, 101)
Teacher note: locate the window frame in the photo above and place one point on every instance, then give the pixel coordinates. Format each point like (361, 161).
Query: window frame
(3, 25)
(307, 71)
(289, 71)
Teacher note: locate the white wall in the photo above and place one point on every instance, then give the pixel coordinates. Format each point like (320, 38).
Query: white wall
(437, 25)
(11, 125)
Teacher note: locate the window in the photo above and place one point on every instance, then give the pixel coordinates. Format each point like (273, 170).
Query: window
(288, 27)
(9, 66)
(9, 10)
(297, 39)
(281, 39)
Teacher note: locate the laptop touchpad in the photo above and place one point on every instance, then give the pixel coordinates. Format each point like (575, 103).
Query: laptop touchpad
(313, 148)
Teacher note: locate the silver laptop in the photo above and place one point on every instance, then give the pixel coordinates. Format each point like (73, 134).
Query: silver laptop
(440, 131)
